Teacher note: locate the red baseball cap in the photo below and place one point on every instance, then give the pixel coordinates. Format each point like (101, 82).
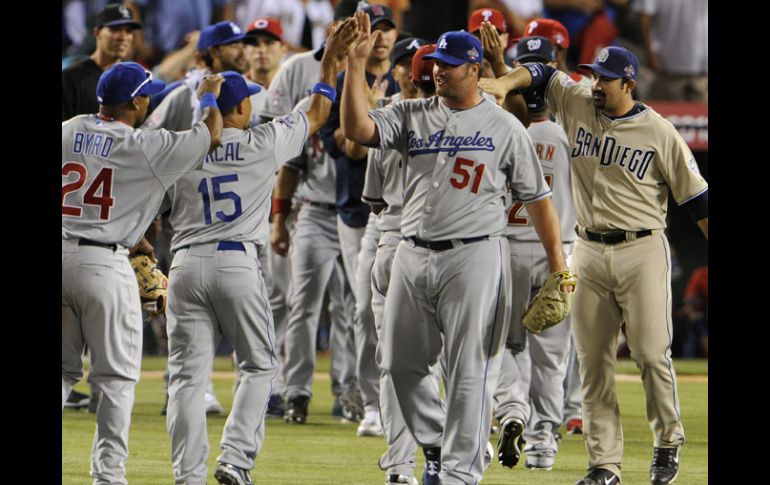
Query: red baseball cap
(552, 29)
(270, 25)
(422, 69)
(491, 15)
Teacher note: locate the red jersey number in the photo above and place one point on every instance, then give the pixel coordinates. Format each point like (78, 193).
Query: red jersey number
(465, 176)
(514, 218)
(99, 193)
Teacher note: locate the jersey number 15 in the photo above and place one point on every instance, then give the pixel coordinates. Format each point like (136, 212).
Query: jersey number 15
(216, 183)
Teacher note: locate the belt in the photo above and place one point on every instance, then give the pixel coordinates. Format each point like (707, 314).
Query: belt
(224, 246)
(446, 244)
(322, 205)
(612, 237)
(88, 242)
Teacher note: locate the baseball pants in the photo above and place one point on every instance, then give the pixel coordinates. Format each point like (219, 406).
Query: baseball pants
(101, 308)
(629, 282)
(462, 294)
(214, 293)
(367, 369)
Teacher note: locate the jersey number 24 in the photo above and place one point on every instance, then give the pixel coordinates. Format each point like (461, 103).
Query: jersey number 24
(102, 183)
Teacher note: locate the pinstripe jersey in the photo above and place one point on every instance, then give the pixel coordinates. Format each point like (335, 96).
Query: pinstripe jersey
(384, 182)
(228, 198)
(622, 168)
(552, 149)
(114, 176)
(457, 166)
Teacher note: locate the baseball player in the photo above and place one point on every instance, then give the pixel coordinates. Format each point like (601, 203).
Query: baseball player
(106, 163)
(221, 48)
(530, 388)
(494, 54)
(559, 36)
(383, 191)
(625, 157)
(264, 57)
(460, 151)
(216, 286)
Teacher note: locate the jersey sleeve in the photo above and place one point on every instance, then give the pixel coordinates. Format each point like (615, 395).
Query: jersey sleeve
(568, 100)
(526, 174)
(174, 113)
(279, 96)
(285, 136)
(171, 154)
(373, 181)
(391, 125)
(679, 168)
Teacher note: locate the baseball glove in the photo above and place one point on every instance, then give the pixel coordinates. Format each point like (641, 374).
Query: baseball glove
(153, 284)
(551, 305)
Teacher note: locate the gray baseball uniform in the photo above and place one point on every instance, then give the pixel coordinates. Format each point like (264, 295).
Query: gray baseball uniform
(293, 81)
(453, 220)
(220, 215)
(530, 386)
(105, 164)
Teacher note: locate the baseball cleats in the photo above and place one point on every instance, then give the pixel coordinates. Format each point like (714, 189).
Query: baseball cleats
(352, 406)
(665, 466)
(540, 462)
(296, 411)
(232, 475)
(574, 426)
(432, 466)
(337, 408)
(599, 476)
(77, 400)
(212, 405)
(371, 425)
(511, 442)
(400, 479)
(276, 406)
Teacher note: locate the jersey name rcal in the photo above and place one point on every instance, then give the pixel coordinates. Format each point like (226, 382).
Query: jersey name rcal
(229, 152)
(609, 152)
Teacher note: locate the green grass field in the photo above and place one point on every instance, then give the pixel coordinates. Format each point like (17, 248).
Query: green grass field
(325, 451)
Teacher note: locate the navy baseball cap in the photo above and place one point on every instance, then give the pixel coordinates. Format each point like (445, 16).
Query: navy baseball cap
(123, 82)
(534, 47)
(222, 33)
(115, 15)
(405, 47)
(234, 89)
(457, 47)
(615, 63)
(378, 13)
(344, 9)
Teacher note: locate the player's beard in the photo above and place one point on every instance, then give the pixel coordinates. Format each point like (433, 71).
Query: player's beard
(600, 99)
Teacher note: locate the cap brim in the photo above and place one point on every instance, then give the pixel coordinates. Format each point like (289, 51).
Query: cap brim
(254, 88)
(532, 56)
(381, 20)
(254, 33)
(237, 38)
(451, 60)
(115, 23)
(152, 87)
(600, 70)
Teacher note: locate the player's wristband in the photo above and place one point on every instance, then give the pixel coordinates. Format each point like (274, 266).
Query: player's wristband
(208, 100)
(324, 90)
(281, 206)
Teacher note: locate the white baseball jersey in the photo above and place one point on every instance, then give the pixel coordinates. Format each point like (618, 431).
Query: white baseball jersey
(457, 165)
(318, 168)
(552, 149)
(114, 176)
(181, 107)
(227, 199)
(293, 81)
(384, 182)
(622, 168)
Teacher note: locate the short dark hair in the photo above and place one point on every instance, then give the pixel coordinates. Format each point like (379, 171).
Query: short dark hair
(427, 87)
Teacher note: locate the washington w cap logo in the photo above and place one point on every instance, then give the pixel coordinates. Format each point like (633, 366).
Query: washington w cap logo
(533, 44)
(603, 55)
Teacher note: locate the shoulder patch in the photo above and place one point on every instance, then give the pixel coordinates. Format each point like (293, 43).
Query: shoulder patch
(287, 121)
(692, 166)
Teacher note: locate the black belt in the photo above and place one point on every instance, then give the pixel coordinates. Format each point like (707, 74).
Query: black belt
(88, 242)
(322, 205)
(614, 237)
(224, 246)
(444, 245)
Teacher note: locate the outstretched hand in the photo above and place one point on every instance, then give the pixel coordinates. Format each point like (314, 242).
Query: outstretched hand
(495, 87)
(341, 40)
(494, 49)
(211, 84)
(366, 39)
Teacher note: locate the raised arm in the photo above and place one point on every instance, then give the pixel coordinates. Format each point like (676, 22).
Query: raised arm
(334, 54)
(211, 116)
(354, 117)
(519, 78)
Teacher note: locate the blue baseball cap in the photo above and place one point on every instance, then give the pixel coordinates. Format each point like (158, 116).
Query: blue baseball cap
(457, 47)
(534, 47)
(222, 33)
(615, 63)
(234, 89)
(123, 82)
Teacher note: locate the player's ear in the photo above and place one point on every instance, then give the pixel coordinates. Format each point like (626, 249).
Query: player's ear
(241, 107)
(630, 84)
